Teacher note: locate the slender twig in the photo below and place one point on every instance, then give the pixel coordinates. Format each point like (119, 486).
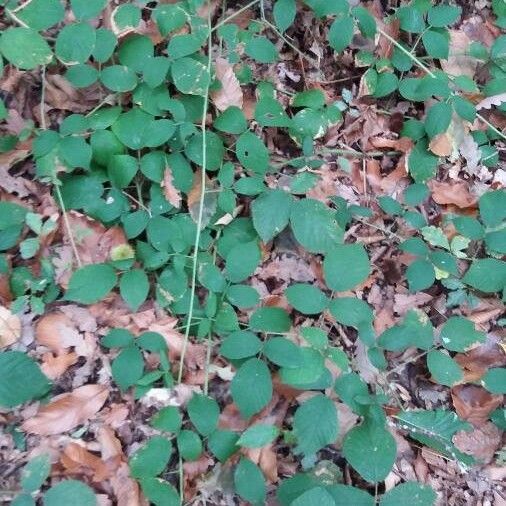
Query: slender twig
(16, 19)
(232, 16)
(431, 74)
(43, 98)
(201, 208)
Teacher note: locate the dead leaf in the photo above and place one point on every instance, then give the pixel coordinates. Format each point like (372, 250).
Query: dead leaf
(470, 150)
(456, 193)
(54, 366)
(210, 199)
(126, 490)
(57, 332)
(441, 145)
(488, 102)
(78, 460)
(67, 411)
(10, 327)
(459, 62)
(230, 93)
(170, 192)
(481, 443)
(474, 403)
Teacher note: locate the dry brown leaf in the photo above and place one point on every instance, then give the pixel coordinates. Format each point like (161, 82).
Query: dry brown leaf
(126, 490)
(481, 443)
(57, 332)
(230, 93)
(470, 150)
(441, 145)
(68, 410)
(474, 404)
(488, 102)
(456, 193)
(459, 62)
(170, 192)
(78, 460)
(210, 199)
(54, 366)
(10, 327)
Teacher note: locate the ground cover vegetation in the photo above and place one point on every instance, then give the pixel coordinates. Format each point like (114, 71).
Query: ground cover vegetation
(252, 252)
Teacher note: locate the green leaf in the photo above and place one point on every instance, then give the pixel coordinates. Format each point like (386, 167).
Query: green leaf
(312, 436)
(231, 121)
(128, 367)
(91, 283)
(346, 266)
(422, 164)
(415, 330)
(258, 435)
(366, 21)
(23, 500)
(104, 45)
(270, 113)
(118, 78)
(315, 497)
(68, 491)
(349, 387)
(341, 33)
(168, 419)
(35, 473)
(41, 14)
(251, 400)
(183, 45)
(121, 169)
(75, 43)
(411, 19)
(420, 275)
(436, 430)
(214, 150)
(438, 119)
(443, 368)
(370, 449)
(270, 319)
(351, 311)
(323, 8)
(443, 15)
(203, 412)
(189, 445)
(250, 482)
(261, 49)
(314, 99)
(492, 207)
(151, 458)
(169, 17)
(314, 225)
(135, 51)
(127, 16)
(87, 9)
(252, 153)
(81, 76)
(243, 296)
(437, 43)
(494, 380)
(190, 76)
(345, 495)
(242, 260)
(487, 275)
(134, 288)
(25, 48)
(283, 352)
(22, 380)
(459, 334)
(222, 444)
(306, 298)
(284, 13)
(410, 492)
(159, 492)
(464, 108)
(240, 344)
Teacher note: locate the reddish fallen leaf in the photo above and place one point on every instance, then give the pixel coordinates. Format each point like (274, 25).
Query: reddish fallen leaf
(57, 332)
(474, 403)
(481, 443)
(54, 366)
(230, 93)
(441, 144)
(68, 410)
(78, 460)
(456, 193)
(267, 461)
(10, 327)
(172, 194)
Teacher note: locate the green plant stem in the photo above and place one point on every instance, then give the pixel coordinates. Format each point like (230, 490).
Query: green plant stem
(431, 74)
(201, 207)
(43, 98)
(232, 16)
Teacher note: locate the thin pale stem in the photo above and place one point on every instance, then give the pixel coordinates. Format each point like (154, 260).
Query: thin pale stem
(232, 16)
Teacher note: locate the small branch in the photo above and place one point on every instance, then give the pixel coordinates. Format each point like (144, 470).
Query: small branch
(16, 19)
(43, 98)
(232, 16)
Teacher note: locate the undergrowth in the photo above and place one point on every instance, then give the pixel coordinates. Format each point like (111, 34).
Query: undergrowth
(170, 155)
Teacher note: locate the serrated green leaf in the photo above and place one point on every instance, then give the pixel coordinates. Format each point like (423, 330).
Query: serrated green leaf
(242, 260)
(250, 482)
(91, 283)
(261, 49)
(203, 412)
(284, 13)
(70, 491)
(341, 33)
(444, 369)
(128, 367)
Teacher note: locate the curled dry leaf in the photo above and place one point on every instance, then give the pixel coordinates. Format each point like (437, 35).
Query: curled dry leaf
(481, 443)
(171, 193)
(488, 102)
(67, 411)
(54, 366)
(78, 460)
(57, 332)
(10, 327)
(474, 403)
(125, 488)
(456, 193)
(230, 93)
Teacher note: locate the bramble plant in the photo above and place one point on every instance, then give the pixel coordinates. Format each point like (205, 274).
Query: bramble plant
(170, 155)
